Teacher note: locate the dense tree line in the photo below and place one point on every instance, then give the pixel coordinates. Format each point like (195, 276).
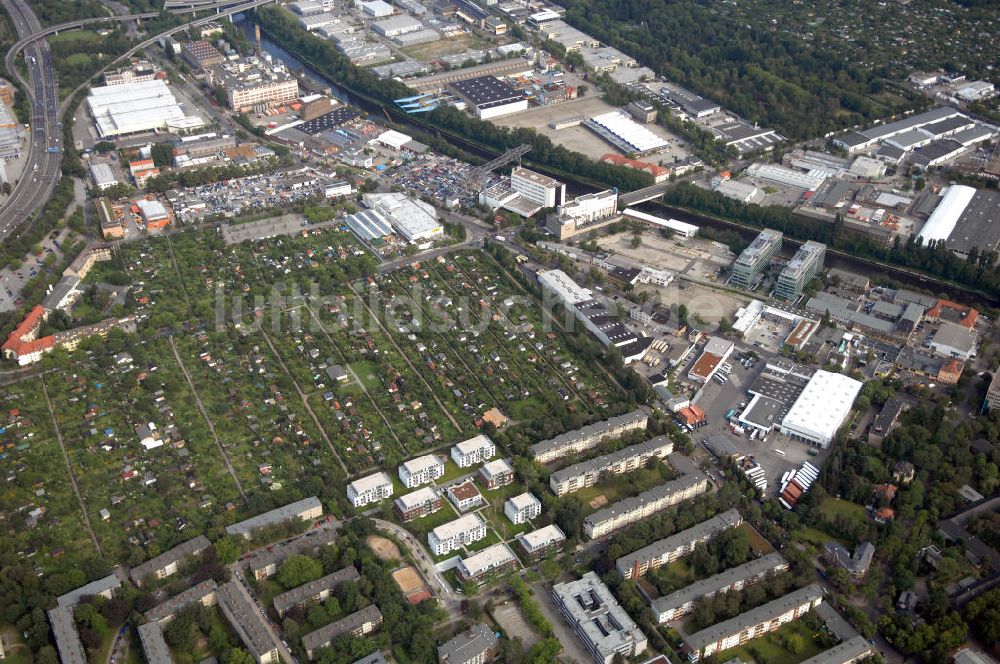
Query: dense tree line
(977, 272)
(802, 88)
(323, 55)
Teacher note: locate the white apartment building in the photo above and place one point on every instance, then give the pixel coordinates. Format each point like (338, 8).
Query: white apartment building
(369, 489)
(421, 470)
(452, 535)
(522, 508)
(538, 188)
(472, 451)
(497, 558)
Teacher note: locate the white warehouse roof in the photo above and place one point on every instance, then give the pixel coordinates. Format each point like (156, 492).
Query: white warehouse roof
(135, 107)
(393, 139)
(414, 219)
(942, 221)
(630, 131)
(821, 407)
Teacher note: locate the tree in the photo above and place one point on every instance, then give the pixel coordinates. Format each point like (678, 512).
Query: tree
(163, 154)
(238, 656)
(297, 570)
(227, 550)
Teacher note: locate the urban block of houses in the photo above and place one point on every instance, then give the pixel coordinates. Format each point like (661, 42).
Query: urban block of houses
(313, 591)
(356, 625)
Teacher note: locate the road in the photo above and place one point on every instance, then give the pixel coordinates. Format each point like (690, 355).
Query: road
(449, 600)
(39, 179)
(36, 184)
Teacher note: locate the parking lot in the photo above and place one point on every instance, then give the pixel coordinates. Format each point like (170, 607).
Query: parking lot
(13, 280)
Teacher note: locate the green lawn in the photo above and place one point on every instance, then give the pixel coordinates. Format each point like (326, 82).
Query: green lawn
(773, 648)
(78, 59)
(833, 507)
(75, 36)
(452, 471)
(675, 575)
(816, 536)
(420, 527)
(16, 651)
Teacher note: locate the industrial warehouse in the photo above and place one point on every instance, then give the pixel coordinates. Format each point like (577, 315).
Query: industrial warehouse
(134, 108)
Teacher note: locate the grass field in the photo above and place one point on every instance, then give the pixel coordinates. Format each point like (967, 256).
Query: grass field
(88, 36)
(816, 536)
(833, 507)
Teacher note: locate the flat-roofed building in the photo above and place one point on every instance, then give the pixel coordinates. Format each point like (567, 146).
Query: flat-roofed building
(165, 611)
(464, 496)
(599, 621)
(168, 562)
(753, 260)
(253, 81)
(678, 545)
(714, 354)
(67, 638)
(853, 650)
(370, 489)
(421, 502)
(538, 188)
(452, 535)
(495, 474)
(476, 646)
(248, 622)
(857, 564)
(522, 508)
(304, 510)
(752, 624)
(154, 646)
(588, 437)
(495, 559)
(681, 602)
(587, 473)
(314, 591)
(265, 563)
(421, 470)
(538, 543)
(821, 408)
(201, 55)
(799, 271)
(472, 451)
(414, 220)
(647, 503)
(359, 623)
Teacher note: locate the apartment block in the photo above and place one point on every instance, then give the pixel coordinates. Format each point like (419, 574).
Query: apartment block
(678, 545)
(248, 622)
(265, 563)
(314, 591)
(476, 646)
(421, 470)
(597, 619)
(585, 474)
(755, 258)
(495, 559)
(304, 510)
(647, 503)
(370, 489)
(681, 602)
(168, 562)
(452, 535)
(588, 437)
(538, 543)
(522, 508)
(752, 624)
(421, 502)
(496, 474)
(472, 451)
(356, 625)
